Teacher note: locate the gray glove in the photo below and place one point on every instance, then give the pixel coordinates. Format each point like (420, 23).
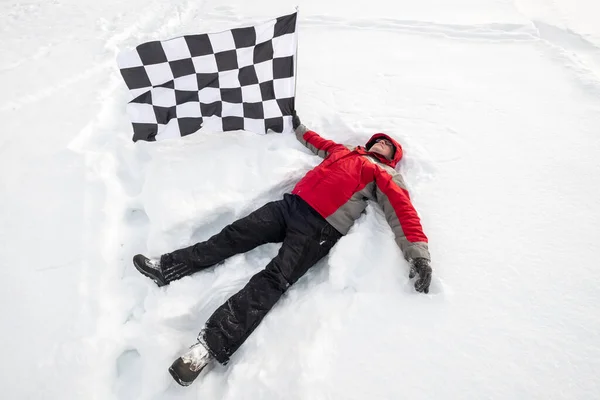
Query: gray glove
(421, 267)
(295, 120)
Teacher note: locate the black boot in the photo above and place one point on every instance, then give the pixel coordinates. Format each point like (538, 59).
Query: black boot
(187, 367)
(150, 268)
(164, 271)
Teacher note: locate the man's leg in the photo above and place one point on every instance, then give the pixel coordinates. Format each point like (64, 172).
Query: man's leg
(307, 240)
(264, 225)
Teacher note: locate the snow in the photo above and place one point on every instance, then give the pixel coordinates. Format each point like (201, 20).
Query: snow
(497, 105)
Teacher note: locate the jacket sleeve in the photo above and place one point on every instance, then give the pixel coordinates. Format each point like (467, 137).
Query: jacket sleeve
(315, 143)
(394, 199)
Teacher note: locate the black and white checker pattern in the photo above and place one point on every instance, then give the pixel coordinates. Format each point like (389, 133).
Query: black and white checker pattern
(237, 79)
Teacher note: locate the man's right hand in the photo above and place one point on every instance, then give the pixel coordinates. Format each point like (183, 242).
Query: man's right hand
(295, 120)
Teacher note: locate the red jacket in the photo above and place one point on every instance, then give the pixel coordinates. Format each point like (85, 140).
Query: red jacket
(340, 186)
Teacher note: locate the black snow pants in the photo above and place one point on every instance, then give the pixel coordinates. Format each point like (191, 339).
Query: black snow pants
(307, 237)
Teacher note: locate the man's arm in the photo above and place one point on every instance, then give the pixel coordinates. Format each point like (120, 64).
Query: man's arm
(394, 199)
(312, 140)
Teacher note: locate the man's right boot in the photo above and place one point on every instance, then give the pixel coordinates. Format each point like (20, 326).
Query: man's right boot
(187, 367)
(163, 271)
(150, 268)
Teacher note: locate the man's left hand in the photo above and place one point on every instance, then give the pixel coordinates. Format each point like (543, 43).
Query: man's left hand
(421, 267)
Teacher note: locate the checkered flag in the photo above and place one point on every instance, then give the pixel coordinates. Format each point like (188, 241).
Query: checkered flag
(237, 79)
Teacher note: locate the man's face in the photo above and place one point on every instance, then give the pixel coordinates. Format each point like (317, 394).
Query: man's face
(384, 147)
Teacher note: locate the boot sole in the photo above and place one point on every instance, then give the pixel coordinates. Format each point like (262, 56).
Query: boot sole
(177, 378)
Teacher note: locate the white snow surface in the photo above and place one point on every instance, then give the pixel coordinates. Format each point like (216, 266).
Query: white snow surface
(497, 105)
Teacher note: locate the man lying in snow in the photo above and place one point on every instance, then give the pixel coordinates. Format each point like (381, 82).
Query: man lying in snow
(320, 210)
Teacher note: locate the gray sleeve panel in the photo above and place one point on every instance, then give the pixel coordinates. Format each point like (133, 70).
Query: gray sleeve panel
(397, 178)
(409, 250)
(300, 131)
(368, 191)
(343, 218)
(416, 250)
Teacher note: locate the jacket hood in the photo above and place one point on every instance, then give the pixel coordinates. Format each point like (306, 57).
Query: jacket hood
(397, 153)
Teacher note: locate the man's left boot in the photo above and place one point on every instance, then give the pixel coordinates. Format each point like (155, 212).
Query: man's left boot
(187, 367)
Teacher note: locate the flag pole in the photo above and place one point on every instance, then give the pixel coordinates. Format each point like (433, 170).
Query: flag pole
(296, 60)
